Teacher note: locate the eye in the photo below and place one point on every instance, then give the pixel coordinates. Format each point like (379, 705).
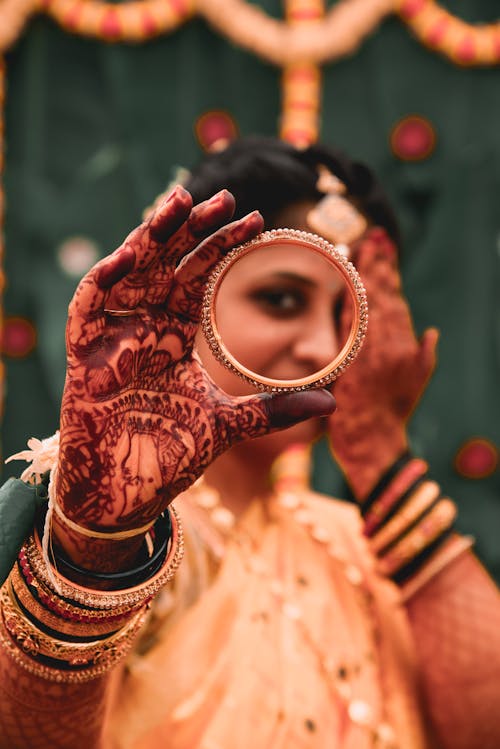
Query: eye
(280, 303)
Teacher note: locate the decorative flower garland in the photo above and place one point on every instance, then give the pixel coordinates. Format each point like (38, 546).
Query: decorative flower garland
(316, 39)
(134, 21)
(2, 206)
(301, 82)
(462, 43)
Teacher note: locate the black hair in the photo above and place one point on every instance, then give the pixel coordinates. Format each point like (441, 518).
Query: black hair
(268, 174)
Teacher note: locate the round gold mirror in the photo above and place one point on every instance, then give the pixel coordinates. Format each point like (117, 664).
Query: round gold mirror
(304, 305)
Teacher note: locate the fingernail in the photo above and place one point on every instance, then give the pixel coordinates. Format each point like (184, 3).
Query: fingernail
(291, 408)
(116, 268)
(212, 213)
(171, 214)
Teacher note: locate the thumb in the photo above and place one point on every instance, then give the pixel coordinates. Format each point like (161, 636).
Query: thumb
(278, 412)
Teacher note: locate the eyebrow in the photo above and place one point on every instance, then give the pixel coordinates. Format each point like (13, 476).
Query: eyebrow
(290, 276)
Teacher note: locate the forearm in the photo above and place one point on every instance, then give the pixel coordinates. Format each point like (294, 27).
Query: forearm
(453, 606)
(41, 714)
(60, 641)
(455, 619)
(375, 442)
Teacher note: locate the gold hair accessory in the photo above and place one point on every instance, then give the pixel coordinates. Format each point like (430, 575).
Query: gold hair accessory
(334, 216)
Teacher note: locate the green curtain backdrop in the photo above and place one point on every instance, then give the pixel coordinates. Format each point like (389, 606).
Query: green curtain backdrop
(95, 131)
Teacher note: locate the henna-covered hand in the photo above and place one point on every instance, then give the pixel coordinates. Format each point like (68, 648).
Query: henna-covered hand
(140, 417)
(379, 391)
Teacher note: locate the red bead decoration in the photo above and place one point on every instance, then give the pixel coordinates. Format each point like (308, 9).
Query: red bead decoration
(413, 138)
(18, 337)
(477, 458)
(215, 130)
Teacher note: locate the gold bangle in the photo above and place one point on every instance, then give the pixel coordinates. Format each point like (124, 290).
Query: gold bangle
(34, 642)
(452, 550)
(96, 623)
(105, 599)
(419, 501)
(59, 676)
(436, 522)
(111, 536)
(63, 608)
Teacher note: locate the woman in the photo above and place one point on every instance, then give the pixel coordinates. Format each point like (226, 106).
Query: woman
(294, 620)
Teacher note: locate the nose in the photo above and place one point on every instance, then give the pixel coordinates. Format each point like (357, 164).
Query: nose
(317, 344)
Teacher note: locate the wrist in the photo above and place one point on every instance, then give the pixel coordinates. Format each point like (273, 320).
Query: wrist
(114, 563)
(407, 520)
(365, 457)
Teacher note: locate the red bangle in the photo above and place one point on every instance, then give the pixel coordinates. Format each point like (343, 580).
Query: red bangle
(397, 491)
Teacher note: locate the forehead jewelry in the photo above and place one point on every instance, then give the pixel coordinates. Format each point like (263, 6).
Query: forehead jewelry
(334, 216)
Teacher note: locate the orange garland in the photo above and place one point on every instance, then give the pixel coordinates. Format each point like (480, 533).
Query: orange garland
(308, 37)
(463, 43)
(128, 22)
(317, 38)
(301, 82)
(2, 207)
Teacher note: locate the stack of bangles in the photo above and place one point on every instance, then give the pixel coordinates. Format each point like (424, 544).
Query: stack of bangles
(410, 525)
(75, 634)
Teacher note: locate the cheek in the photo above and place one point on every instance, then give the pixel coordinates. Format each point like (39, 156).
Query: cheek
(226, 380)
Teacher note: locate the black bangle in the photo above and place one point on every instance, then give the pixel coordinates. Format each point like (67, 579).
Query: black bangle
(147, 565)
(383, 482)
(398, 505)
(409, 527)
(402, 575)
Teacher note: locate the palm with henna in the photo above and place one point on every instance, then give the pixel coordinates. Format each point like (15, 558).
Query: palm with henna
(379, 392)
(140, 418)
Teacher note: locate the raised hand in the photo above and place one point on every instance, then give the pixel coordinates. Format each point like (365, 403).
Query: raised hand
(378, 393)
(140, 417)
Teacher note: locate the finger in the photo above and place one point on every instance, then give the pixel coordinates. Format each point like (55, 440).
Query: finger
(204, 219)
(191, 277)
(93, 290)
(159, 260)
(136, 252)
(148, 240)
(246, 418)
(376, 261)
(427, 353)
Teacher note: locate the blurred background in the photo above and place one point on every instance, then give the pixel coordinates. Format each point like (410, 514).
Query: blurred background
(95, 130)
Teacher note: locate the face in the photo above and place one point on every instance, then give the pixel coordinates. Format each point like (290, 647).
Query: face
(277, 312)
(279, 318)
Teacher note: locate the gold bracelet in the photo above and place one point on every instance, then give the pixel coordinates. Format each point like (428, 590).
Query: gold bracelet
(453, 549)
(419, 501)
(103, 599)
(80, 618)
(435, 523)
(111, 536)
(63, 608)
(57, 675)
(36, 643)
